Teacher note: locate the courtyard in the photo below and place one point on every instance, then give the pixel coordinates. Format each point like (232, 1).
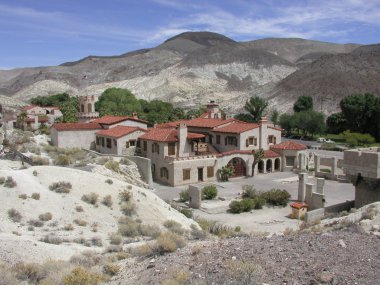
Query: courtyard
(269, 219)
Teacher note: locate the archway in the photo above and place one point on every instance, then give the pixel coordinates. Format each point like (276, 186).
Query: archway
(277, 164)
(260, 166)
(82, 108)
(239, 166)
(269, 165)
(89, 108)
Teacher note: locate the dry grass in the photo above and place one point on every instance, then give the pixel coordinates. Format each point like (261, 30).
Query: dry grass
(128, 208)
(82, 276)
(178, 276)
(10, 182)
(115, 239)
(107, 201)
(125, 196)
(61, 187)
(36, 196)
(14, 215)
(23, 196)
(174, 227)
(91, 198)
(111, 269)
(45, 217)
(80, 222)
(79, 208)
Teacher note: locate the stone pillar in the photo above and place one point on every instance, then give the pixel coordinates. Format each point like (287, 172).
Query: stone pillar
(302, 161)
(302, 178)
(320, 185)
(263, 131)
(334, 166)
(316, 163)
(309, 193)
(182, 137)
(194, 197)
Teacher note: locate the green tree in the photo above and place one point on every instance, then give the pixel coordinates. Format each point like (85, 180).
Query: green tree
(256, 107)
(118, 102)
(244, 117)
(336, 123)
(275, 116)
(258, 156)
(287, 122)
(309, 122)
(303, 103)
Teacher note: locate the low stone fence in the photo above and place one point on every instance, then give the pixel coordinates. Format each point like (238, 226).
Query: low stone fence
(345, 206)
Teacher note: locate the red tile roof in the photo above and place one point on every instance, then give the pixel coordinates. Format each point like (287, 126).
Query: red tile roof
(289, 145)
(270, 154)
(76, 126)
(119, 131)
(207, 123)
(40, 120)
(298, 205)
(171, 124)
(26, 108)
(166, 135)
(236, 127)
(109, 120)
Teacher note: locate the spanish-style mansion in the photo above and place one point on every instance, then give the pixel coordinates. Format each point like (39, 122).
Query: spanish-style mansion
(184, 151)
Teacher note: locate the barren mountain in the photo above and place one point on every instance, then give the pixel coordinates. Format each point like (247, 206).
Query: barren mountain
(332, 77)
(194, 67)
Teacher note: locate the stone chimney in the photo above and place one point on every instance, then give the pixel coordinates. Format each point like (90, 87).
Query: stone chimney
(213, 110)
(263, 140)
(182, 137)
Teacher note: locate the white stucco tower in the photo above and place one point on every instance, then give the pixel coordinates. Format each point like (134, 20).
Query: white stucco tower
(213, 110)
(87, 109)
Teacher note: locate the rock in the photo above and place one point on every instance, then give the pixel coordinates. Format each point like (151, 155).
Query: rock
(326, 277)
(222, 198)
(376, 228)
(233, 258)
(151, 265)
(342, 243)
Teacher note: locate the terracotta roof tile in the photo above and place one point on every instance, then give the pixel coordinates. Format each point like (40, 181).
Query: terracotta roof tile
(171, 124)
(236, 127)
(207, 123)
(166, 135)
(76, 126)
(195, 136)
(236, 151)
(119, 131)
(298, 205)
(270, 154)
(109, 119)
(289, 145)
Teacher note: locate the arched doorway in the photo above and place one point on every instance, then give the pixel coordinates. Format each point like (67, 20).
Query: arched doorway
(239, 166)
(269, 165)
(260, 166)
(277, 164)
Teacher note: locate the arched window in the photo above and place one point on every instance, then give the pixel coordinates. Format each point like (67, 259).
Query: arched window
(89, 108)
(82, 108)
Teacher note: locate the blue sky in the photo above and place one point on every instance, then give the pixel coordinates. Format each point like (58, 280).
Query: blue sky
(50, 32)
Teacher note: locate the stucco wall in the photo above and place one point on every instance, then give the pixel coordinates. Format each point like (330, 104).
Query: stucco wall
(81, 139)
(128, 123)
(193, 165)
(120, 148)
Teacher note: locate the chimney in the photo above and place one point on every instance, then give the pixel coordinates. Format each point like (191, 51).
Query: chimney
(134, 115)
(182, 137)
(263, 123)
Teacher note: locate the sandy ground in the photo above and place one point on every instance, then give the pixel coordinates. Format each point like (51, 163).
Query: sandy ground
(17, 242)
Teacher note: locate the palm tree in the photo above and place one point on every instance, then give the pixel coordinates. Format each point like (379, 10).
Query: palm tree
(256, 106)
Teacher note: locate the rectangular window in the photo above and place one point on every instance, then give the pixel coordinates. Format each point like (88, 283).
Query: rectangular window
(217, 139)
(109, 143)
(145, 145)
(210, 171)
(186, 174)
(231, 141)
(290, 160)
(271, 139)
(171, 148)
(97, 141)
(102, 142)
(132, 142)
(251, 141)
(138, 143)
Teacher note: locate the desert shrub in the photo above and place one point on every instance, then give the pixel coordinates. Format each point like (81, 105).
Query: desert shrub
(185, 211)
(169, 242)
(121, 255)
(177, 276)
(246, 205)
(81, 276)
(197, 233)
(237, 207)
(129, 187)
(242, 271)
(184, 195)
(62, 160)
(60, 187)
(132, 228)
(29, 272)
(102, 160)
(249, 192)
(80, 222)
(325, 170)
(30, 228)
(23, 196)
(174, 227)
(128, 208)
(209, 192)
(36, 223)
(68, 227)
(10, 182)
(125, 161)
(35, 196)
(109, 181)
(115, 238)
(14, 215)
(38, 160)
(7, 276)
(114, 248)
(52, 239)
(125, 196)
(369, 213)
(149, 230)
(79, 208)
(111, 269)
(96, 241)
(107, 201)
(215, 228)
(35, 173)
(91, 198)
(112, 165)
(45, 217)
(2, 180)
(276, 197)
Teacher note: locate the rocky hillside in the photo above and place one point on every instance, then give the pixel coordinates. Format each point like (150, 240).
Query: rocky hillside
(194, 67)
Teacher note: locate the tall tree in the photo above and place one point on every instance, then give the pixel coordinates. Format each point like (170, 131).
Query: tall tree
(256, 107)
(303, 103)
(275, 116)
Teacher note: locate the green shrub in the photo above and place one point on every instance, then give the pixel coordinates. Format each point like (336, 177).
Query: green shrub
(60, 187)
(81, 276)
(185, 211)
(237, 207)
(276, 197)
(132, 228)
(107, 201)
(325, 170)
(14, 215)
(209, 192)
(249, 192)
(91, 198)
(169, 242)
(112, 165)
(62, 160)
(174, 227)
(10, 182)
(35, 196)
(184, 196)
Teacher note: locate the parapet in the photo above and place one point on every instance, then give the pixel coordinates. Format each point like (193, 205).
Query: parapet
(363, 161)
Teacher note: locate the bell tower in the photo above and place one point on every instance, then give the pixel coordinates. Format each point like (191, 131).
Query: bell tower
(87, 109)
